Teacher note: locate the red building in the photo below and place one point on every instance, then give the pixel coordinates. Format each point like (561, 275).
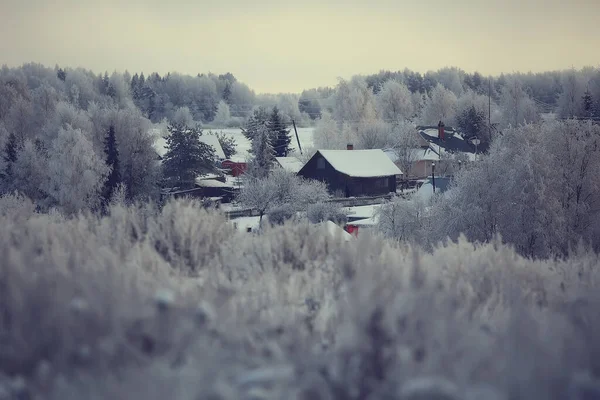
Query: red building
(237, 167)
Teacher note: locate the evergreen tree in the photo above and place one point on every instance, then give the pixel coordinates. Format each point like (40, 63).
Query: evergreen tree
(186, 158)
(227, 93)
(61, 74)
(112, 161)
(588, 105)
(105, 83)
(10, 155)
(472, 123)
(263, 153)
(280, 135)
(134, 86)
(227, 144)
(259, 118)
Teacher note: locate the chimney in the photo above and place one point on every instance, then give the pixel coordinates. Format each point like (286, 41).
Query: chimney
(441, 131)
(349, 146)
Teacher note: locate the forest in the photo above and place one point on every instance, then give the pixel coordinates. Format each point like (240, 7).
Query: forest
(487, 291)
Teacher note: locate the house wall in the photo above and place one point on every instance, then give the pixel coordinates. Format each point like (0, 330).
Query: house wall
(348, 186)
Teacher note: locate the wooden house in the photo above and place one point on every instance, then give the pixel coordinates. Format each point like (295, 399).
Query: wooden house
(352, 173)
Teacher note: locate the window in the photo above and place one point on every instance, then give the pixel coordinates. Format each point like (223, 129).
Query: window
(321, 163)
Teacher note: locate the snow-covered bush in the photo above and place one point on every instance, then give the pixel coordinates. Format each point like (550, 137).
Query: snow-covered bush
(287, 312)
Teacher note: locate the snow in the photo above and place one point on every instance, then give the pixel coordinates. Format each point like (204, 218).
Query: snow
(425, 192)
(243, 145)
(364, 222)
(421, 154)
(212, 183)
(290, 164)
(362, 212)
(361, 163)
(213, 141)
(243, 223)
(336, 230)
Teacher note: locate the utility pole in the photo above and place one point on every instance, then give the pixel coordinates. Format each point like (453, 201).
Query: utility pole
(297, 138)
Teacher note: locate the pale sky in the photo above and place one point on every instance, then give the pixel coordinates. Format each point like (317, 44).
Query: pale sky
(286, 46)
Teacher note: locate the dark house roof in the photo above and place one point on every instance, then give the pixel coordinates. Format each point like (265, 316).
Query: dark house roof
(452, 143)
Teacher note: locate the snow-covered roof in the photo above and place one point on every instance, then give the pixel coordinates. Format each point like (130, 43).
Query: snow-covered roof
(420, 154)
(361, 163)
(362, 212)
(160, 145)
(425, 192)
(335, 230)
(213, 141)
(364, 222)
(290, 164)
(211, 183)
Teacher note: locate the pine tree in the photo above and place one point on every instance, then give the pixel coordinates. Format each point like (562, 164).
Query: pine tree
(186, 158)
(104, 83)
(134, 87)
(588, 104)
(61, 74)
(112, 161)
(259, 118)
(227, 93)
(10, 155)
(263, 152)
(280, 136)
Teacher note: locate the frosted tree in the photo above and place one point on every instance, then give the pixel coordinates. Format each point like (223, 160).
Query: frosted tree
(263, 153)
(375, 135)
(29, 172)
(402, 219)
(287, 105)
(394, 102)
(223, 115)
(20, 119)
(75, 174)
(570, 104)
(354, 101)
(183, 117)
(186, 158)
(516, 105)
(258, 119)
(282, 193)
(137, 156)
(441, 106)
(326, 134)
(406, 147)
(279, 133)
(450, 78)
(546, 177)
(227, 143)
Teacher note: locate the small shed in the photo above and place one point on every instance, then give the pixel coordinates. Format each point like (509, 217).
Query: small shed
(353, 172)
(236, 166)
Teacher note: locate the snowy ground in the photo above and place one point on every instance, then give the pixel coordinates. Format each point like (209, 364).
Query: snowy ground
(243, 144)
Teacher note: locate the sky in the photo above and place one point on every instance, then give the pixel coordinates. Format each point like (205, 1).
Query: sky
(287, 46)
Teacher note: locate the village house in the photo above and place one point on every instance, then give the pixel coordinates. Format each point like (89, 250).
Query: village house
(352, 173)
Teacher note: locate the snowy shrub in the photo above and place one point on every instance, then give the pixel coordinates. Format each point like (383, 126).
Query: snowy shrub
(147, 302)
(326, 211)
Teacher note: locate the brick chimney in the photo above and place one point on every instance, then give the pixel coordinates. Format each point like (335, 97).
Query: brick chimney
(349, 146)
